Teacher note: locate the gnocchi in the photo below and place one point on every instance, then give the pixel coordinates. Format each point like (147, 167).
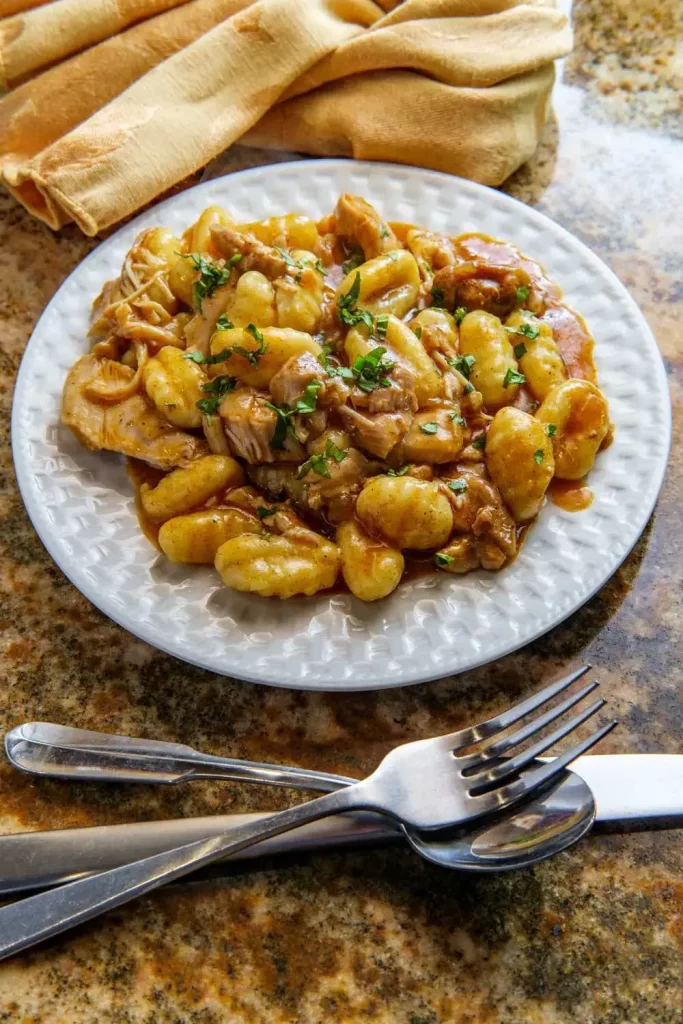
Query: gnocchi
(334, 400)
(578, 412)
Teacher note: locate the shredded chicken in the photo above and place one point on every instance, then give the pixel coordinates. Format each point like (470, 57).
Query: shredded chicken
(358, 221)
(255, 255)
(290, 382)
(333, 497)
(479, 510)
(477, 286)
(250, 424)
(132, 427)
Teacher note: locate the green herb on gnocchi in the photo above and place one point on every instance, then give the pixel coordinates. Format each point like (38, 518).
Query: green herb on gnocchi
(513, 377)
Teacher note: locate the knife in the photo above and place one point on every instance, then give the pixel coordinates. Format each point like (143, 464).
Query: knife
(632, 792)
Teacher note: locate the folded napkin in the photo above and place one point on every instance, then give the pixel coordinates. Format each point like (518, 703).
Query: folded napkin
(458, 85)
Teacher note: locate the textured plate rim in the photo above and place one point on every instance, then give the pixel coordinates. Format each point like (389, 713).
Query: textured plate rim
(158, 640)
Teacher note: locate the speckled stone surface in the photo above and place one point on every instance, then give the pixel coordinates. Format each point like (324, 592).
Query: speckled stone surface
(595, 935)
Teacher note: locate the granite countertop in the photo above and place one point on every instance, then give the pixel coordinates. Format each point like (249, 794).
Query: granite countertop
(595, 935)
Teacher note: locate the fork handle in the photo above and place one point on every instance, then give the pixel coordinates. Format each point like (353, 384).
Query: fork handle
(62, 752)
(28, 921)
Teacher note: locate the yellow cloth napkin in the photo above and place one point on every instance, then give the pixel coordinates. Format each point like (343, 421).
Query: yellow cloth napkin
(458, 85)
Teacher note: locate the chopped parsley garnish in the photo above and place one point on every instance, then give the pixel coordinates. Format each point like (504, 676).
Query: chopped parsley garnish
(459, 315)
(384, 231)
(201, 360)
(442, 559)
(318, 463)
(217, 389)
(307, 403)
(349, 313)
(513, 377)
(355, 259)
(282, 424)
(429, 428)
(370, 370)
(520, 350)
(437, 295)
(480, 442)
(211, 276)
(551, 430)
(457, 486)
(252, 355)
(381, 324)
(399, 472)
(262, 512)
(457, 418)
(538, 456)
(223, 324)
(289, 260)
(522, 294)
(463, 364)
(526, 330)
(469, 388)
(418, 333)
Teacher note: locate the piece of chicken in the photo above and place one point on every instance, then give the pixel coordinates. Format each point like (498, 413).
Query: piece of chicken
(479, 286)
(288, 385)
(479, 510)
(377, 420)
(132, 427)
(333, 497)
(250, 425)
(255, 255)
(360, 222)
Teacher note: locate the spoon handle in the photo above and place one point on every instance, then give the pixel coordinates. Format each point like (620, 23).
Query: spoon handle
(28, 921)
(58, 751)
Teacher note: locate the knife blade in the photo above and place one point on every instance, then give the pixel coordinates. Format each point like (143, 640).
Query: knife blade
(632, 792)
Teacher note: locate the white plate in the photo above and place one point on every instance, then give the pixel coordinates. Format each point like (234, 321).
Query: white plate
(81, 502)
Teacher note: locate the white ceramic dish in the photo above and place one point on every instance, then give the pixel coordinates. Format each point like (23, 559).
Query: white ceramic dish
(81, 502)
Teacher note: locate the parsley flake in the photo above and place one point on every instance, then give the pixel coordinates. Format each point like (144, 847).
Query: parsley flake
(217, 389)
(384, 231)
(551, 430)
(349, 313)
(527, 330)
(211, 276)
(223, 324)
(307, 403)
(443, 559)
(522, 294)
(457, 486)
(318, 463)
(282, 424)
(399, 472)
(381, 324)
(480, 442)
(457, 418)
(429, 428)
(201, 360)
(520, 350)
(418, 333)
(463, 364)
(513, 377)
(538, 456)
(437, 295)
(262, 512)
(459, 315)
(370, 370)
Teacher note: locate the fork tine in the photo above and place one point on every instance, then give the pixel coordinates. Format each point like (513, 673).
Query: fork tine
(531, 781)
(500, 748)
(521, 760)
(477, 733)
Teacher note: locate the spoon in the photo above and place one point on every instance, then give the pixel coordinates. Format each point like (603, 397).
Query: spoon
(550, 822)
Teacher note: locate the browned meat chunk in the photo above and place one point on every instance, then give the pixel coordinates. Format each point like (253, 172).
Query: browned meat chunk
(132, 427)
(360, 222)
(255, 255)
(479, 286)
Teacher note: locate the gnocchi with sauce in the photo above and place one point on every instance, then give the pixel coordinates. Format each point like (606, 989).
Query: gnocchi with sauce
(344, 402)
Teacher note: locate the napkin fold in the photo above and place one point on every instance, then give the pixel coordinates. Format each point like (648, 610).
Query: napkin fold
(457, 85)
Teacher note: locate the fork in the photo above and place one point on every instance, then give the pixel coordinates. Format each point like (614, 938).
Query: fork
(426, 784)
